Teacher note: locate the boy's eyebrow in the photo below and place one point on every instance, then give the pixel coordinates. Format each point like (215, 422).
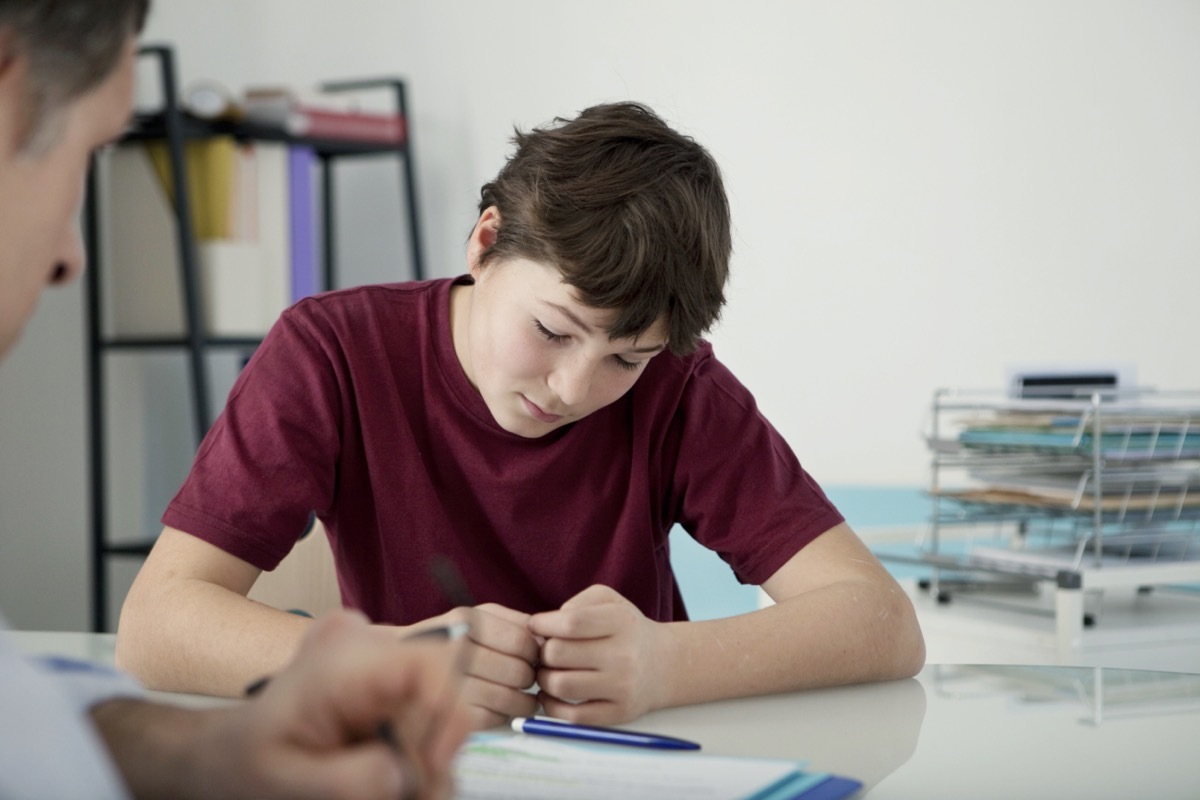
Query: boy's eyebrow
(571, 315)
(654, 348)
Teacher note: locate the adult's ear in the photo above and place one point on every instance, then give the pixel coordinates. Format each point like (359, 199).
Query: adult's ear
(8, 48)
(482, 238)
(14, 97)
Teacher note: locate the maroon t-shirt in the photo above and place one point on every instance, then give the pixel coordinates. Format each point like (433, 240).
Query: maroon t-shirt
(355, 406)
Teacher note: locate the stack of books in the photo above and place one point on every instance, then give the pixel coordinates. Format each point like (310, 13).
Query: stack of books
(322, 117)
(316, 115)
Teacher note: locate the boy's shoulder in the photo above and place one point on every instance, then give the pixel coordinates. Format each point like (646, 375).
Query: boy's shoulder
(699, 376)
(358, 303)
(372, 316)
(376, 293)
(670, 372)
(697, 362)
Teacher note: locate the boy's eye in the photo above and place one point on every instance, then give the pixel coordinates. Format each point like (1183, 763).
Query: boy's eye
(629, 365)
(558, 338)
(548, 334)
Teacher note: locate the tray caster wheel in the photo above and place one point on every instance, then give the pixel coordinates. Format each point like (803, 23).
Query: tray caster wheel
(923, 584)
(1144, 590)
(943, 598)
(1089, 621)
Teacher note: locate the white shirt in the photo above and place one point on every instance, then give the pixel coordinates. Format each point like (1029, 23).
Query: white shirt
(48, 747)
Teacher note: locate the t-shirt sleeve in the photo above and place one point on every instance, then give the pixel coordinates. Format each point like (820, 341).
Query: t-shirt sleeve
(737, 486)
(270, 458)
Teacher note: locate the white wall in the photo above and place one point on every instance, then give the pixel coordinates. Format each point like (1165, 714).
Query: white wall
(924, 191)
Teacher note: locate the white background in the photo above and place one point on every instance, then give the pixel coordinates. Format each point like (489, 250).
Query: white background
(924, 193)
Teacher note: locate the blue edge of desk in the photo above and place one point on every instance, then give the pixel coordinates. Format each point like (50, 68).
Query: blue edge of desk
(711, 591)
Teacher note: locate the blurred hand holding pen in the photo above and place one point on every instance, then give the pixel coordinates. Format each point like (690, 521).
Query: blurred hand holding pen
(411, 734)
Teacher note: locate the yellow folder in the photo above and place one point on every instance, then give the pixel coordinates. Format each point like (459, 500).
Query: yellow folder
(211, 166)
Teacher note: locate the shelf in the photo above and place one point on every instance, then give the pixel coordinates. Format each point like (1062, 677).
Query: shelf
(137, 549)
(147, 127)
(173, 127)
(1095, 492)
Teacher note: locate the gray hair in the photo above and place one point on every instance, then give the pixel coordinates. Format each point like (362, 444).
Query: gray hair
(71, 45)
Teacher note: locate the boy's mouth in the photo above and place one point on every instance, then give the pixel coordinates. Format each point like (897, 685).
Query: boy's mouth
(537, 413)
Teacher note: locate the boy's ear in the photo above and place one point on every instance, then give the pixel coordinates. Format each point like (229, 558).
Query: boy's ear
(482, 238)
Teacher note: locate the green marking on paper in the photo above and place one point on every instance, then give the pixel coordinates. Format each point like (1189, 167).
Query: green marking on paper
(499, 751)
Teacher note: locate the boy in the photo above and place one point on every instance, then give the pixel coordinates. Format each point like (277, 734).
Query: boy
(543, 421)
(75, 730)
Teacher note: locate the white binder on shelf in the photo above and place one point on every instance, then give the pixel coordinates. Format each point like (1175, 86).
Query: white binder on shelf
(243, 275)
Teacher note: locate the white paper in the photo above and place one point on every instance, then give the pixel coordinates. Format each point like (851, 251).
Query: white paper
(496, 767)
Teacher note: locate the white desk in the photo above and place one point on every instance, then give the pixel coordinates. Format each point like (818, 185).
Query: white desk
(953, 732)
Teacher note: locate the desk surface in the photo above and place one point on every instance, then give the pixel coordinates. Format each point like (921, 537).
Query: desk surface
(952, 732)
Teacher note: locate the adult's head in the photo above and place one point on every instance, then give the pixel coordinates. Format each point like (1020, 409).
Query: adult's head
(632, 213)
(66, 88)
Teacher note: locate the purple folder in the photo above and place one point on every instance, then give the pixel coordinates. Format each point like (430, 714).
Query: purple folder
(302, 211)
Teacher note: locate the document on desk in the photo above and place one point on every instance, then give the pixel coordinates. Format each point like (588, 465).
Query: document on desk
(500, 767)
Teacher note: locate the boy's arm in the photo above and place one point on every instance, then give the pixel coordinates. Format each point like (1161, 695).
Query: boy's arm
(187, 626)
(839, 617)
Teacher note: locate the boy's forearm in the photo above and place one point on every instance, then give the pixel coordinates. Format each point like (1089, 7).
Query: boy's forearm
(843, 633)
(199, 637)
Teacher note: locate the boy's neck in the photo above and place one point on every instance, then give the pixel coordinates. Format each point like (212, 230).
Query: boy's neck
(460, 307)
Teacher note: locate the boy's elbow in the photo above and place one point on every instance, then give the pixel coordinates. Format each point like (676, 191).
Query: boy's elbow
(910, 656)
(141, 646)
(131, 644)
(906, 656)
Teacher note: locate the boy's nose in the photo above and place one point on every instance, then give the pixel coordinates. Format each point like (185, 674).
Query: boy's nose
(572, 381)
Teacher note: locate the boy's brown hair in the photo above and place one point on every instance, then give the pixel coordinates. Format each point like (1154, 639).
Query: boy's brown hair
(632, 213)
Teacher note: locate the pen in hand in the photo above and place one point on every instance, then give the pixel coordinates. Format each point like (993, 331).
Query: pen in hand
(450, 582)
(445, 632)
(452, 585)
(450, 633)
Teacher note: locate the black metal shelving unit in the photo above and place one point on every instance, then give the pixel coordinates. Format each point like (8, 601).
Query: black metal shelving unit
(175, 127)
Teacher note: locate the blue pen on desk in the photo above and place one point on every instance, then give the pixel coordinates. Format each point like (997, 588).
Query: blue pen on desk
(546, 726)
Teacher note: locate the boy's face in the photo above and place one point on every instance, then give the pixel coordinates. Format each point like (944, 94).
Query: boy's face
(540, 358)
(41, 191)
